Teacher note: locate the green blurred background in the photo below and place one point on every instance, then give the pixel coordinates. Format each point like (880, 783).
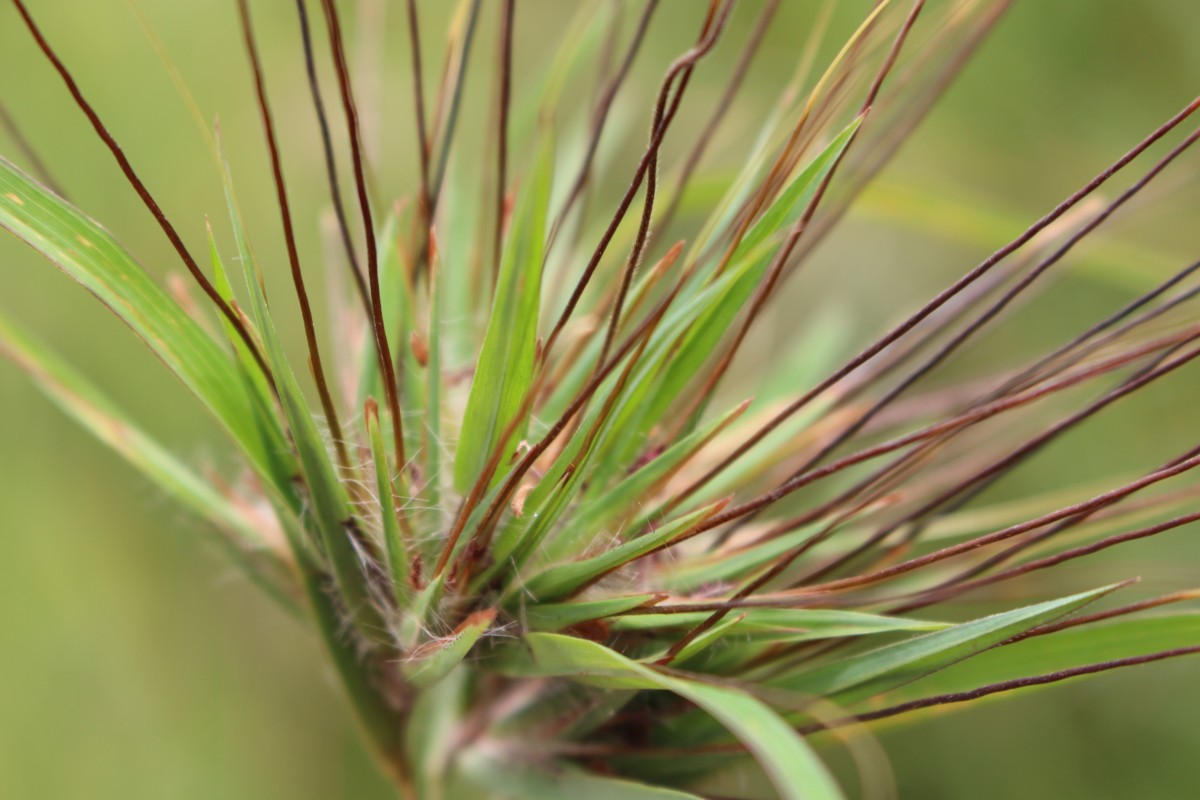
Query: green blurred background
(136, 664)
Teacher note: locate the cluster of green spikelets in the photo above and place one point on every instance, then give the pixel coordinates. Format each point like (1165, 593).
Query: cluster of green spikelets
(543, 556)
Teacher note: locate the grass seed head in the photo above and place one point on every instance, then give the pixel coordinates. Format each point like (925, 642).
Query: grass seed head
(557, 523)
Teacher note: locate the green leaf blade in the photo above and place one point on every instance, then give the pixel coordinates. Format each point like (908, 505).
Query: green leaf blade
(434, 661)
(792, 766)
(863, 674)
(505, 365)
(89, 254)
(563, 579)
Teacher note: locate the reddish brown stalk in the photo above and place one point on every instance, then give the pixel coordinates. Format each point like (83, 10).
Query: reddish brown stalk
(984, 412)
(940, 322)
(418, 81)
(765, 289)
(383, 351)
(682, 67)
(773, 571)
(414, 42)
(995, 688)
(579, 345)
(1097, 501)
(714, 24)
(331, 172)
(482, 539)
(947, 349)
(878, 154)
(1009, 386)
(767, 286)
(893, 54)
(787, 601)
(780, 259)
(991, 312)
(599, 119)
(801, 136)
(1139, 321)
(475, 495)
(1016, 549)
(925, 335)
(656, 274)
(1070, 555)
(643, 331)
(1076, 347)
(915, 521)
(635, 258)
(451, 124)
(910, 464)
(505, 100)
(1120, 611)
(954, 425)
(824, 648)
(821, 594)
(1050, 364)
(285, 214)
(951, 398)
(10, 127)
(144, 194)
(977, 481)
(941, 299)
(879, 483)
(696, 154)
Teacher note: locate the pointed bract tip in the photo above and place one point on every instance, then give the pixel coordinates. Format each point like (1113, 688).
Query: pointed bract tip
(419, 347)
(720, 505)
(434, 251)
(518, 501)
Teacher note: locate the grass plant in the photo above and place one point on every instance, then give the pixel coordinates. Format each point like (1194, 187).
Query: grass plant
(553, 541)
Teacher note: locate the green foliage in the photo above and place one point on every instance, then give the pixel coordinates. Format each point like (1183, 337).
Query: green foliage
(902, 662)
(505, 365)
(792, 766)
(90, 255)
(629, 566)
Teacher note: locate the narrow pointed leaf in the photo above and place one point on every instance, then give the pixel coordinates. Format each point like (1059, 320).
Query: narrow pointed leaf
(559, 581)
(792, 766)
(434, 660)
(505, 364)
(607, 507)
(393, 538)
(801, 623)
(754, 255)
(331, 515)
(556, 616)
(89, 254)
(1073, 647)
(898, 663)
